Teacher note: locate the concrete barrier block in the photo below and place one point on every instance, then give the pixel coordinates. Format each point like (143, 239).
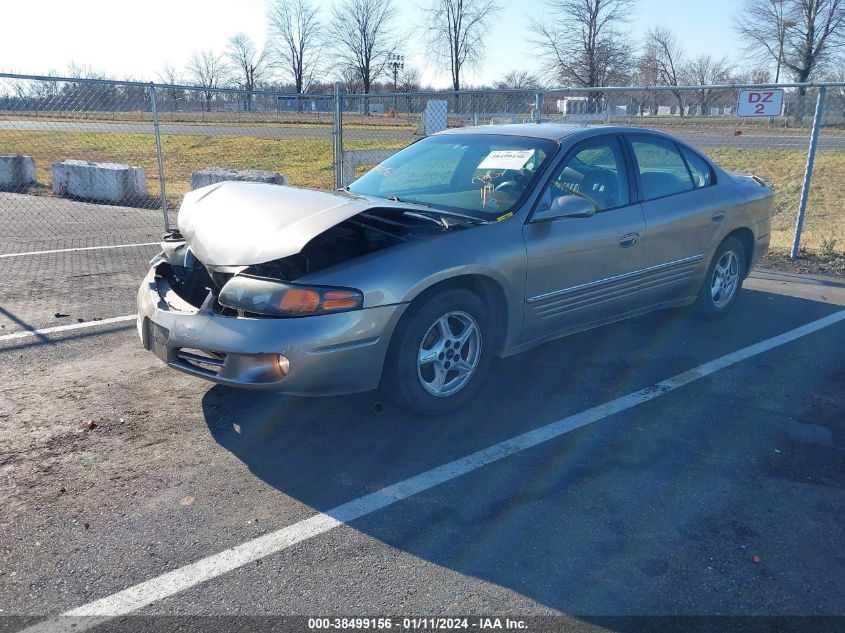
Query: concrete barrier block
(105, 182)
(353, 158)
(435, 116)
(211, 175)
(16, 172)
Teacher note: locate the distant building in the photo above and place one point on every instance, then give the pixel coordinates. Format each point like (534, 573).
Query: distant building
(572, 105)
(241, 106)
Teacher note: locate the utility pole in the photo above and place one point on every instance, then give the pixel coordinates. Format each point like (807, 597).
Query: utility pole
(396, 63)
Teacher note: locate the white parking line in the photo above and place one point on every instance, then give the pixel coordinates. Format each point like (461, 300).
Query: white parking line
(81, 248)
(64, 328)
(182, 578)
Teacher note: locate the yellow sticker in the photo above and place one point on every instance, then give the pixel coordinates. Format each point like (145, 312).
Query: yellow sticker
(504, 217)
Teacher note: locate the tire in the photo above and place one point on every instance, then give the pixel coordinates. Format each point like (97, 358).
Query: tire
(455, 371)
(717, 296)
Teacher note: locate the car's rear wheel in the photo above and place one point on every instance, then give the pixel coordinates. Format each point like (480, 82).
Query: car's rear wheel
(441, 352)
(723, 280)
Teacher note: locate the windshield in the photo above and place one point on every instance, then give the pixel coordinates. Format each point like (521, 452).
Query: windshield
(484, 175)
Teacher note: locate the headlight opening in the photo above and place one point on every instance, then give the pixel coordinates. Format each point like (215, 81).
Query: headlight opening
(276, 298)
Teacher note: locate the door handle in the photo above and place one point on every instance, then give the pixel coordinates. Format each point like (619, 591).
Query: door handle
(718, 217)
(628, 240)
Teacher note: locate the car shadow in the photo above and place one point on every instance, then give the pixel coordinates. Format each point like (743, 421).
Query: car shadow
(607, 520)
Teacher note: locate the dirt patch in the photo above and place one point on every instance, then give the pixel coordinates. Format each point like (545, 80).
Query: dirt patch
(806, 263)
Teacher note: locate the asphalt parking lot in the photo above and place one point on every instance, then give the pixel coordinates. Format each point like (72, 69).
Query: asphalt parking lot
(193, 499)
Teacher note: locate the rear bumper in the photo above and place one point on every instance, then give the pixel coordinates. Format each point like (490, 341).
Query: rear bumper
(329, 354)
(762, 237)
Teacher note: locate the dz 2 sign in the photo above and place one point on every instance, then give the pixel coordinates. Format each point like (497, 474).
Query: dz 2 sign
(764, 102)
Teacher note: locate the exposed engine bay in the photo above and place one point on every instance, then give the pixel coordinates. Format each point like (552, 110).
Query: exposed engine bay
(363, 234)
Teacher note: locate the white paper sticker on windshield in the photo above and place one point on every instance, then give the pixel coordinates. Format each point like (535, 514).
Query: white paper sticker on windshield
(506, 159)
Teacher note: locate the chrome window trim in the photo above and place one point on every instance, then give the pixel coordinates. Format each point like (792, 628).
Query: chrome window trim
(563, 291)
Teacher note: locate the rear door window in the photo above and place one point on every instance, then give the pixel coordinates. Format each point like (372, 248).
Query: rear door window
(702, 174)
(662, 170)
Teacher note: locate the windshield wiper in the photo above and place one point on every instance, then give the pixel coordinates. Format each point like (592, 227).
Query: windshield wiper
(436, 212)
(405, 201)
(435, 217)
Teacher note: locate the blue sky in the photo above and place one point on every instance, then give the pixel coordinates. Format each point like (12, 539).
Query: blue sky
(37, 36)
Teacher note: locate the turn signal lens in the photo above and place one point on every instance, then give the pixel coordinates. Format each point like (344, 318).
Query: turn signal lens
(300, 301)
(340, 300)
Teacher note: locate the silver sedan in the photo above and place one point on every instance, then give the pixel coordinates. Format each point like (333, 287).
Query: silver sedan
(470, 243)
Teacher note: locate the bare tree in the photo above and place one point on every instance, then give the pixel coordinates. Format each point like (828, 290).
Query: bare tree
(409, 79)
(583, 44)
(207, 69)
(519, 79)
(88, 96)
(836, 73)
(647, 75)
(667, 56)
(83, 71)
(296, 36)
(46, 89)
(17, 88)
(169, 75)
(758, 75)
(249, 63)
(704, 70)
(819, 30)
(351, 80)
(762, 26)
(363, 36)
(455, 32)
(799, 35)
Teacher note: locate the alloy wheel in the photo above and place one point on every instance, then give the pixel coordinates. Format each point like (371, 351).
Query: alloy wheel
(725, 279)
(449, 354)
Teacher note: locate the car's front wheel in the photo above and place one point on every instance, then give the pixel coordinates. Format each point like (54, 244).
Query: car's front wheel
(723, 281)
(441, 352)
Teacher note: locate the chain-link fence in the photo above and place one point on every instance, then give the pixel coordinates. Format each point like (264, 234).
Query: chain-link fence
(774, 147)
(87, 163)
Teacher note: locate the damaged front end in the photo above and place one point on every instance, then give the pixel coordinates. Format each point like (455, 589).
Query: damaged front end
(238, 321)
(270, 288)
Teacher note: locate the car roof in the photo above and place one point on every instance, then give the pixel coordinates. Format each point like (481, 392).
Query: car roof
(550, 131)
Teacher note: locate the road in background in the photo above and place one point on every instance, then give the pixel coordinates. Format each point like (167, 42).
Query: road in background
(750, 138)
(260, 131)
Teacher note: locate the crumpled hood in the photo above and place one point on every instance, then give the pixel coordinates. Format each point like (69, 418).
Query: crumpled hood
(243, 223)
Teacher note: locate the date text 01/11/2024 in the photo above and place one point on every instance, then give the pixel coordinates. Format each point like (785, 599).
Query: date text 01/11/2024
(416, 623)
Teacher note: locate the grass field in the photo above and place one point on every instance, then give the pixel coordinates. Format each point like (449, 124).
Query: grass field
(402, 121)
(308, 162)
(824, 221)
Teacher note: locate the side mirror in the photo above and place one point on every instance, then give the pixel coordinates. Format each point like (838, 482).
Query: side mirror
(571, 206)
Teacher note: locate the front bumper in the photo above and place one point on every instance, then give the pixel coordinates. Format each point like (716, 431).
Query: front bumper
(329, 354)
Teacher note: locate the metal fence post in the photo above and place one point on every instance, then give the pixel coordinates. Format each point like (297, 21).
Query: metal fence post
(337, 133)
(159, 158)
(538, 107)
(808, 173)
